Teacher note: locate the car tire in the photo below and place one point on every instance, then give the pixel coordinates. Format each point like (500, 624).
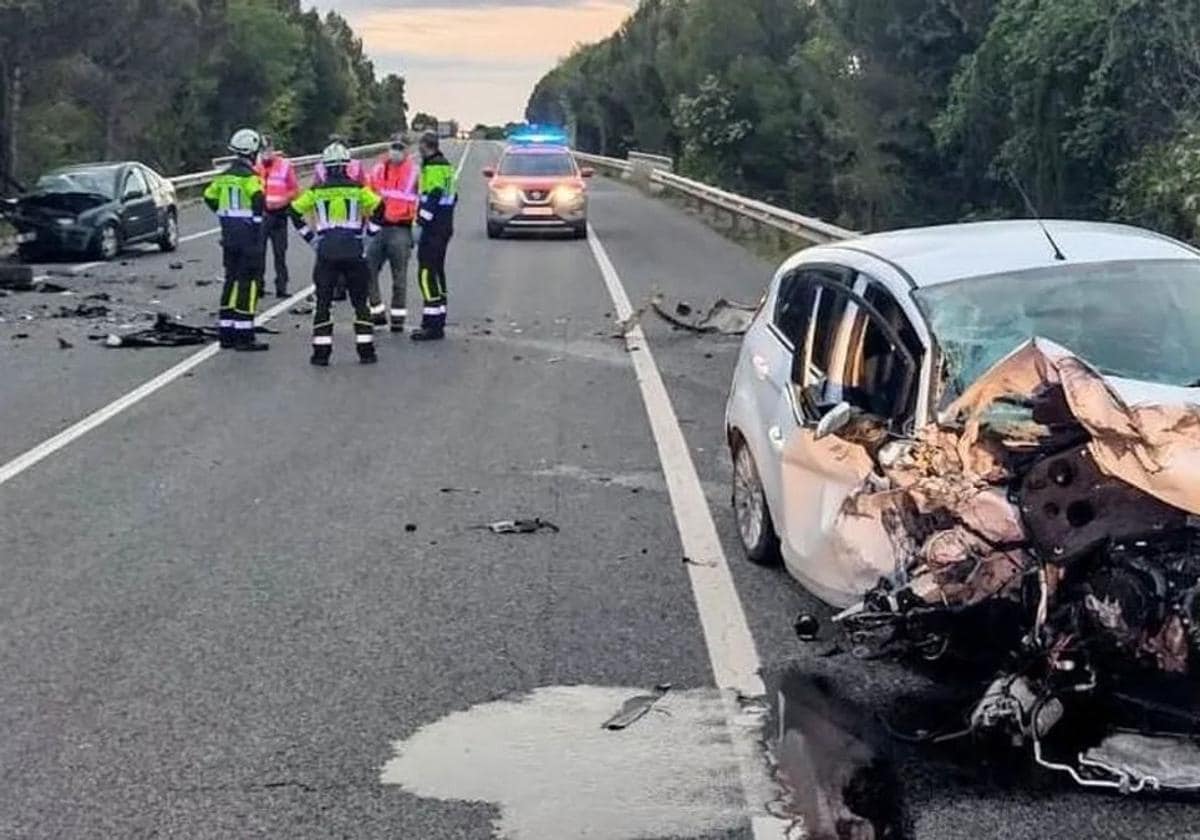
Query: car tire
(107, 246)
(756, 529)
(494, 231)
(579, 231)
(169, 238)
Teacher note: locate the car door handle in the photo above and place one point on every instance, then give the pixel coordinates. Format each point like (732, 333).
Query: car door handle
(761, 368)
(775, 435)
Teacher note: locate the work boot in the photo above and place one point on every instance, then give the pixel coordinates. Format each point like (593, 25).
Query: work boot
(428, 334)
(367, 356)
(281, 291)
(397, 324)
(379, 320)
(320, 356)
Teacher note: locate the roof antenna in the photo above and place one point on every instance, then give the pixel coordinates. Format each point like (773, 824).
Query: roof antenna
(1037, 217)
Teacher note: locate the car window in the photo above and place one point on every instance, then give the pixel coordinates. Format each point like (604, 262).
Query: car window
(883, 348)
(794, 307)
(831, 307)
(135, 182)
(537, 164)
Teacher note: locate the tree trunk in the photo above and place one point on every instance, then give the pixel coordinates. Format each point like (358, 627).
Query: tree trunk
(10, 119)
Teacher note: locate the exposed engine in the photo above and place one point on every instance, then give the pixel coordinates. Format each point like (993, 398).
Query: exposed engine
(1081, 595)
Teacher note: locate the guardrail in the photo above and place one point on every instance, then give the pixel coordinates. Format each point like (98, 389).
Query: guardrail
(301, 164)
(805, 228)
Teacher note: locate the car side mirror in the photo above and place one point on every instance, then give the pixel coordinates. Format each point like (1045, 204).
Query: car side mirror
(587, 172)
(489, 172)
(836, 419)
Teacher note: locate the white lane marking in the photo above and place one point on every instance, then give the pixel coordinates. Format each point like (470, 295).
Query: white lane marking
(48, 447)
(72, 433)
(202, 233)
(731, 648)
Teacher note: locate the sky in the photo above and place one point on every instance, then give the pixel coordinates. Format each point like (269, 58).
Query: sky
(475, 61)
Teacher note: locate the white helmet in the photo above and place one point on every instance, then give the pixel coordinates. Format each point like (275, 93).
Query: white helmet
(245, 141)
(335, 154)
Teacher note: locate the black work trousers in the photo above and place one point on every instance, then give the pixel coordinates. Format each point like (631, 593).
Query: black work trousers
(353, 275)
(239, 295)
(275, 236)
(431, 264)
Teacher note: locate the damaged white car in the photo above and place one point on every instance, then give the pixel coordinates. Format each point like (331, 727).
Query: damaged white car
(986, 438)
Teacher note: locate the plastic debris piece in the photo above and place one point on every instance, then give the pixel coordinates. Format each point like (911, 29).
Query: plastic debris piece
(166, 286)
(807, 627)
(725, 317)
(521, 526)
(635, 708)
(63, 344)
(175, 266)
(410, 528)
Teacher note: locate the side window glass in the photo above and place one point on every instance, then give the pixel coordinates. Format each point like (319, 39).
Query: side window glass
(793, 309)
(883, 358)
(831, 307)
(135, 183)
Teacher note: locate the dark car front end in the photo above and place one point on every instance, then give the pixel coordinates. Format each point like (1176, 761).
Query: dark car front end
(65, 210)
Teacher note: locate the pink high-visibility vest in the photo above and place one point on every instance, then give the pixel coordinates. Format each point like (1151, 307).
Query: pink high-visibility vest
(279, 182)
(397, 184)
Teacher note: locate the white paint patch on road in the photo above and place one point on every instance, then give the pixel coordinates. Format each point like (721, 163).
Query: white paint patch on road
(731, 650)
(545, 762)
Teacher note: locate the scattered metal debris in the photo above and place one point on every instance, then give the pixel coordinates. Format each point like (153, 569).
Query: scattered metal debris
(63, 344)
(410, 528)
(725, 317)
(688, 561)
(521, 526)
(301, 309)
(175, 266)
(635, 707)
(166, 286)
(807, 627)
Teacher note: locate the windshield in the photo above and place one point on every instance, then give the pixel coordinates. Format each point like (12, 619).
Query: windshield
(1135, 319)
(99, 181)
(539, 164)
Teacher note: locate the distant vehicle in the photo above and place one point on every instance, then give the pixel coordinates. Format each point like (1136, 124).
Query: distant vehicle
(95, 209)
(447, 129)
(537, 186)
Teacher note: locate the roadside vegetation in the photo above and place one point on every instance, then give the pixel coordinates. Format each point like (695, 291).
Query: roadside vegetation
(166, 81)
(886, 113)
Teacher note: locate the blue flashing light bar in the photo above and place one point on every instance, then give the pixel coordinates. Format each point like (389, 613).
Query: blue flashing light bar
(534, 134)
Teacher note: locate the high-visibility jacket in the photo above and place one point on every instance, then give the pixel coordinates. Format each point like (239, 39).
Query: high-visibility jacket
(354, 170)
(279, 181)
(341, 213)
(439, 194)
(396, 184)
(237, 197)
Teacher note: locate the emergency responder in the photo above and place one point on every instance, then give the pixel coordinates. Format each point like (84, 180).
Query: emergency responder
(341, 211)
(281, 185)
(236, 196)
(394, 179)
(438, 196)
(354, 170)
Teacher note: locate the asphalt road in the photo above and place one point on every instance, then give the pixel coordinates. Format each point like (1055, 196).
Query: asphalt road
(221, 608)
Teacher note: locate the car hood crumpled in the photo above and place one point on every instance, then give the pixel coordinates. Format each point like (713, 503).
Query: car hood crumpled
(937, 514)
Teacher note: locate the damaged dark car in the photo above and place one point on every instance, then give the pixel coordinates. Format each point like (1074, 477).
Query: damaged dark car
(94, 210)
(983, 442)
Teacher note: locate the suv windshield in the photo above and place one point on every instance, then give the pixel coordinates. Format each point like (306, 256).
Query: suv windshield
(537, 164)
(99, 181)
(1134, 319)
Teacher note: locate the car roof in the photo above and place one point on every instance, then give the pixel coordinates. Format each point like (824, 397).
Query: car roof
(934, 255)
(105, 164)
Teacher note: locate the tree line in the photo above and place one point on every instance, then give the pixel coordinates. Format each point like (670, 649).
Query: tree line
(887, 113)
(168, 81)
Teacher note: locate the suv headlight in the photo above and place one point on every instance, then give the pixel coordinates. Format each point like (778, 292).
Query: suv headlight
(564, 194)
(508, 196)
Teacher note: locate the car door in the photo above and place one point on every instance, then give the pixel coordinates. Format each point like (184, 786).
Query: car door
(863, 353)
(138, 213)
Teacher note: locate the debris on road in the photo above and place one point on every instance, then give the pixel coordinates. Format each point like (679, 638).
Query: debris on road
(301, 309)
(203, 282)
(635, 708)
(725, 317)
(83, 310)
(688, 561)
(48, 288)
(807, 627)
(16, 278)
(410, 528)
(20, 335)
(63, 344)
(176, 266)
(166, 332)
(521, 526)
(474, 490)
(166, 286)
(104, 296)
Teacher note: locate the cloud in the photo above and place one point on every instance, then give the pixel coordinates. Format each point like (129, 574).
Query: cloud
(476, 60)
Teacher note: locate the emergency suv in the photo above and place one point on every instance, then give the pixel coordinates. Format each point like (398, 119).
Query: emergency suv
(537, 186)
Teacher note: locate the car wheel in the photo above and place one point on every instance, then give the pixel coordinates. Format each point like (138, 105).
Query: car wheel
(579, 231)
(108, 242)
(755, 527)
(494, 231)
(169, 240)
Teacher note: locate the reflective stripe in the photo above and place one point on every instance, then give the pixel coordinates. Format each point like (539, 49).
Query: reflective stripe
(426, 214)
(225, 323)
(364, 339)
(234, 213)
(400, 195)
(435, 310)
(322, 340)
(447, 201)
(399, 313)
(378, 309)
(305, 231)
(243, 325)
